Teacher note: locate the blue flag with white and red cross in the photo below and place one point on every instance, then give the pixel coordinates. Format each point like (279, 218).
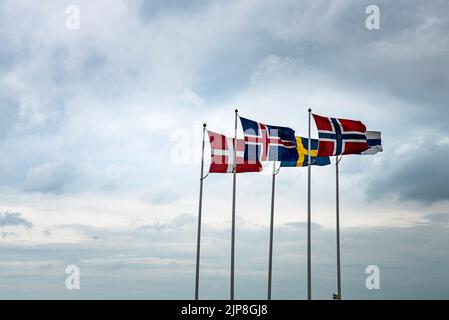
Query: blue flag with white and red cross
(340, 136)
(268, 143)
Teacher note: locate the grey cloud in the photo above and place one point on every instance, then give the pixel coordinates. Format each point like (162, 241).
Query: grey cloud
(69, 69)
(414, 267)
(49, 177)
(418, 174)
(8, 219)
(184, 220)
(403, 58)
(441, 217)
(9, 109)
(161, 196)
(5, 235)
(302, 225)
(64, 76)
(157, 8)
(74, 226)
(382, 59)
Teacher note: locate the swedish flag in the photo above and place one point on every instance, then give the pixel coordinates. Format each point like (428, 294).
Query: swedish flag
(302, 146)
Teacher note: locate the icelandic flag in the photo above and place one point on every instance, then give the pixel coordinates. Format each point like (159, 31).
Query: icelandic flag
(374, 143)
(222, 155)
(340, 136)
(268, 143)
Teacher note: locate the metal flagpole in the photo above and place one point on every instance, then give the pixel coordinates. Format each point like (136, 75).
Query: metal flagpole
(233, 209)
(309, 216)
(200, 209)
(270, 254)
(338, 228)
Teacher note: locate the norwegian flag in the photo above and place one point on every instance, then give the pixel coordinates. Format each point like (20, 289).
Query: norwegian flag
(340, 136)
(268, 143)
(222, 155)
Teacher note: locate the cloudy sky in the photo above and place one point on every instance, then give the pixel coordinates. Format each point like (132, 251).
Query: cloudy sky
(100, 139)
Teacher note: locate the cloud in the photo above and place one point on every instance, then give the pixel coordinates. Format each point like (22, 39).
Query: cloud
(87, 116)
(162, 193)
(76, 80)
(442, 217)
(49, 178)
(164, 8)
(8, 219)
(418, 173)
(181, 221)
(5, 235)
(416, 257)
(302, 225)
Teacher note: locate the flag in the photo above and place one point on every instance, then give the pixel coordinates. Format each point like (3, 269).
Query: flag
(374, 142)
(302, 147)
(268, 143)
(340, 136)
(222, 155)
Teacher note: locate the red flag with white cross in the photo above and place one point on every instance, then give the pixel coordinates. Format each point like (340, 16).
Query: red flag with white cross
(222, 155)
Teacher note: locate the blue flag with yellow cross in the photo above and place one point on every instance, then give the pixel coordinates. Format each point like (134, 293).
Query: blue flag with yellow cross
(302, 146)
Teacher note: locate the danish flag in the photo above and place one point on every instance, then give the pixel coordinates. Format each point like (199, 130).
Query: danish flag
(268, 143)
(340, 136)
(222, 155)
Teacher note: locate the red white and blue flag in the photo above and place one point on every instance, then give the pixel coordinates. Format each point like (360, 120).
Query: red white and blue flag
(268, 143)
(340, 136)
(222, 155)
(374, 142)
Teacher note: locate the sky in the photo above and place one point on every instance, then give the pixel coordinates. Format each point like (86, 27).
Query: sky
(100, 139)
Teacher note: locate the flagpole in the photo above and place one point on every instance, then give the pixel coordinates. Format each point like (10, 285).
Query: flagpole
(338, 228)
(200, 209)
(309, 216)
(270, 254)
(233, 209)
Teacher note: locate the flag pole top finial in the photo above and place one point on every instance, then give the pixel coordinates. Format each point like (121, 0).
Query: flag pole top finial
(310, 110)
(204, 124)
(236, 110)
